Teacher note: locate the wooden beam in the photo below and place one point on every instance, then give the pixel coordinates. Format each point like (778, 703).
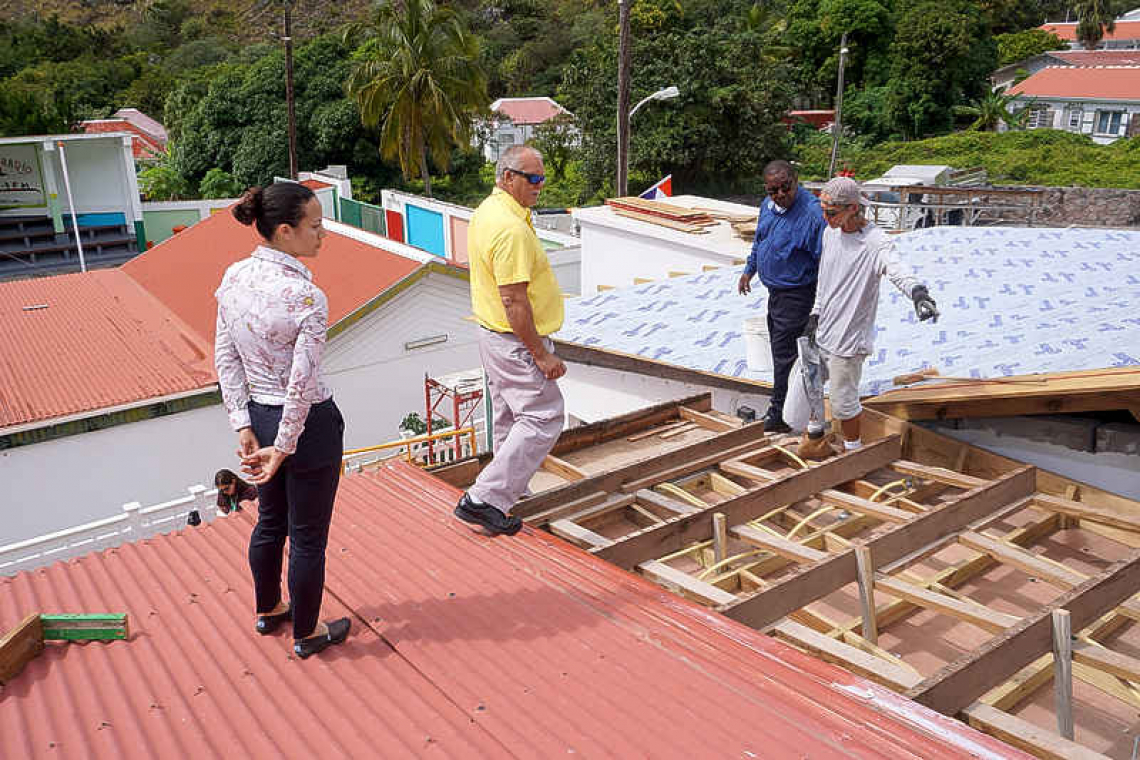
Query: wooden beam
(1088, 512)
(575, 508)
(720, 537)
(967, 610)
(563, 469)
(576, 534)
(765, 607)
(658, 474)
(680, 430)
(960, 683)
(706, 421)
(1022, 734)
(725, 487)
(865, 506)
(645, 496)
(742, 470)
(1063, 672)
(1119, 665)
(679, 494)
(938, 474)
(852, 658)
(713, 449)
(690, 586)
(866, 570)
(678, 532)
(20, 646)
(1025, 561)
(656, 430)
(777, 545)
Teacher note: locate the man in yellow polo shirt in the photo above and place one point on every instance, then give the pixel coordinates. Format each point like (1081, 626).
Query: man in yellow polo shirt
(518, 303)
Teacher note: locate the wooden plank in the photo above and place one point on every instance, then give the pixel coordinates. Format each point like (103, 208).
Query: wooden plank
(678, 532)
(865, 506)
(656, 431)
(576, 534)
(671, 576)
(680, 430)
(674, 491)
(852, 658)
(866, 570)
(720, 537)
(646, 496)
(1023, 560)
(20, 646)
(1088, 512)
(939, 474)
(960, 683)
(1063, 672)
(742, 470)
(804, 555)
(1022, 734)
(967, 610)
(563, 469)
(725, 487)
(572, 507)
(709, 450)
(1119, 665)
(616, 428)
(765, 607)
(706, 420)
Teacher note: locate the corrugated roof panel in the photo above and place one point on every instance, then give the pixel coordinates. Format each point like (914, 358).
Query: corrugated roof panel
(462, 645)
(82, 342)
(1095, 82)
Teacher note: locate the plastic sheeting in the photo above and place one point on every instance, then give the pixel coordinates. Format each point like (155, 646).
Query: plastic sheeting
(1014, 301)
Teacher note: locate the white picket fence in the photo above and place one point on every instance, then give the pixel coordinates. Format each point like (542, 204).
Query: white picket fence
(134, 523)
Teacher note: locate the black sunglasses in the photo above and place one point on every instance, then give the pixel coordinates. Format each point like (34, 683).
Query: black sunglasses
(534, 179)
(832, 210)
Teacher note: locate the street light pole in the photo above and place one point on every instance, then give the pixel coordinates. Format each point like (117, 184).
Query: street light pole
(289, 97)
(837, 125)
(623, 98)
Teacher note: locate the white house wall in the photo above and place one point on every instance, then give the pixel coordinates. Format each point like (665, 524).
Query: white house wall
(98, 180)
(376, 380)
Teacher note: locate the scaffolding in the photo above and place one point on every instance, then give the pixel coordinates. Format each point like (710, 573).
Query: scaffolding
(464, 391)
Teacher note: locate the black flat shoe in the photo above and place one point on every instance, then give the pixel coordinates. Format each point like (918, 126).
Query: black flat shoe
(338, 632)
(490, 517)
(267, 624)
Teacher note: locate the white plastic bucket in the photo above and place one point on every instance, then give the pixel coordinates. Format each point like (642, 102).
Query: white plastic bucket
(757, 347)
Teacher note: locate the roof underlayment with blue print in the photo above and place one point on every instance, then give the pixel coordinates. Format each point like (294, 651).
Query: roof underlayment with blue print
(1014, 301)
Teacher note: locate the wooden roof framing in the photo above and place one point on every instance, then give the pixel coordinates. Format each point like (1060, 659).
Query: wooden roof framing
(839, 558)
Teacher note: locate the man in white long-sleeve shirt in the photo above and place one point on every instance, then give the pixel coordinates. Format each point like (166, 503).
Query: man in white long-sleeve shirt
(856, 255)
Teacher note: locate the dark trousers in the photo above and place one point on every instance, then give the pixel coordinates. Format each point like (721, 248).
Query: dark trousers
(788, 312)
(296, 503)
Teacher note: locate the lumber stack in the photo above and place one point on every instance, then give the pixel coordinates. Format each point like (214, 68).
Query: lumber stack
(680, 218)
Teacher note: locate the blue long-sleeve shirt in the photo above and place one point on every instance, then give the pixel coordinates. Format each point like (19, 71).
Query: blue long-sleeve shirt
(786, 249)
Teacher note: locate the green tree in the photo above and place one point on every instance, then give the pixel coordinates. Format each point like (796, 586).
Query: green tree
(1094, 19)
(161, 181)
(219, 184)
(557, 140)
(815, 28)
(1021, 45)
(417, 77)
(942, 55)
(994, 109)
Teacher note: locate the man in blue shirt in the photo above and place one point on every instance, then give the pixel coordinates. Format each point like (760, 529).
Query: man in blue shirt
(785, 253)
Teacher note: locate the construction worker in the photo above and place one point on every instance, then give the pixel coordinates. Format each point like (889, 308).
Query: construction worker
(856, 255)
(518, 303)
(785, 253)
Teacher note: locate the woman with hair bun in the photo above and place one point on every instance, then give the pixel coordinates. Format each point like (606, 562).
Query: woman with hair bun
(271, 330)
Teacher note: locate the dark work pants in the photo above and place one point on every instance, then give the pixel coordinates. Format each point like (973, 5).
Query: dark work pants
(788, 312)
(296, 503)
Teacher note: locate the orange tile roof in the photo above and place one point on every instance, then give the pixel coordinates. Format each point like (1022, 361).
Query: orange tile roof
(1091, 82)
(1098, 57)
(184, 270)
(462, 646)
(527, 110)
(101, 341)
(143, 144)
(1125, 30)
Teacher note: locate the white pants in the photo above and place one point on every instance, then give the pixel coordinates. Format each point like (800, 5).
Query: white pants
(844, 374)
(528, 416)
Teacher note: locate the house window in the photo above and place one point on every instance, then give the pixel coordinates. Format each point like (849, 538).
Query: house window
(1108, 122)
(1039, 118)
(1075, 119)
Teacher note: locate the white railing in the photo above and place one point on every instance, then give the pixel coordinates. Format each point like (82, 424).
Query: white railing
(135, 523)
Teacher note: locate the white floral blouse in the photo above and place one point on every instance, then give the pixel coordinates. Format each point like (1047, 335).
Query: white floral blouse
(271, 330)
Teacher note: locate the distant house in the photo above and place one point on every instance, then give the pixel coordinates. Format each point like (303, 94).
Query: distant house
(149, 137)
(513, 122)
(1126, 35)
(1099, 101)
(1005, 76)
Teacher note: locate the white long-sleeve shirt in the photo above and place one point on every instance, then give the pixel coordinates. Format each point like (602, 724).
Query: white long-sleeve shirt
(847, 293)
(271, 328)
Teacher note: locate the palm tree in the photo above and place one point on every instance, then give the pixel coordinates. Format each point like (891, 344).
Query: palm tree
(992, 110)
(1094, 18)
(418, 77)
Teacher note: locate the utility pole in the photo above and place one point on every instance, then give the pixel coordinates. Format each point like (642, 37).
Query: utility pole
(623, 98)
(837, 126)
(289, 89)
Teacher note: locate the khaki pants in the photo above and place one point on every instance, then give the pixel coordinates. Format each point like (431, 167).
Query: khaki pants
(528, 415)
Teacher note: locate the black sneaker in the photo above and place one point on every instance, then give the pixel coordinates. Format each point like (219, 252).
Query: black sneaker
(774, 422)
(490, 517)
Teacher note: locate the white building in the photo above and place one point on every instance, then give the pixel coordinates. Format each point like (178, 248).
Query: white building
(514, 121)
(1099, 101)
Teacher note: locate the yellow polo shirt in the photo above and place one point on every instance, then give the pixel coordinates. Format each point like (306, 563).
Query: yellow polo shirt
(503, 249)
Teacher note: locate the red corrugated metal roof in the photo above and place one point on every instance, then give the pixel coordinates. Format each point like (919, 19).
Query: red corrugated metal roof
(1098, 57)
(527, 110)
(462, 645)
(100, 342)
(1125, 30)
(1099, 82)
(184, 270)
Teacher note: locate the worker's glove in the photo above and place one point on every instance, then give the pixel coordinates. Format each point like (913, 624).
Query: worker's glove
(810, 328)
(924, 306)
